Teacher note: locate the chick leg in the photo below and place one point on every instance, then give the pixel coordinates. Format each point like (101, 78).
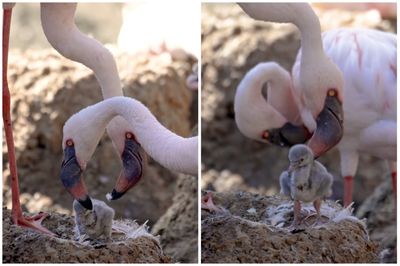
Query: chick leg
(318, 220)
(297, 214)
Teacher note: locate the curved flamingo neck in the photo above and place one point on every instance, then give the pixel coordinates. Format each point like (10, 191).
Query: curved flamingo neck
(170, 150)
(277, 83)
(299, 14)
(62, 33)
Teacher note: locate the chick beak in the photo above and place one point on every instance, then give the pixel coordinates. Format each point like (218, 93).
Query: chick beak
(329, 129)
(287, 135)
(71, 177)
(133, 161)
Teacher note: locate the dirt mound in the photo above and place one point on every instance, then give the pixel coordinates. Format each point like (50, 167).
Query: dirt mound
(27, 246)
(178, 226)
(252, 229)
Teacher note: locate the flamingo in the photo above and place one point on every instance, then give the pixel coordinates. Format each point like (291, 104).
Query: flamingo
(369, 99)
(318, 83)
(368, 60)
(62, 33)
(83, 131)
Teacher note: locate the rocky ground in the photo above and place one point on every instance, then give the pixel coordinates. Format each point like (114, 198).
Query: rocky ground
(178, 227)
(232, 43)
(47, 89)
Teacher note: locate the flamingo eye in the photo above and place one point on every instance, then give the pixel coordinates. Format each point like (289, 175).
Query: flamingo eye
(332, 92)
(69, 143)
(265, 135)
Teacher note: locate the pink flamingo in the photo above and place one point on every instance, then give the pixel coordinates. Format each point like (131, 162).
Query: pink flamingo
(369, 95)
(62, 33)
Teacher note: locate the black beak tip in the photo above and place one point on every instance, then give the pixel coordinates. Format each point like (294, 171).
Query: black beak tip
(87, 203)
(114, 195)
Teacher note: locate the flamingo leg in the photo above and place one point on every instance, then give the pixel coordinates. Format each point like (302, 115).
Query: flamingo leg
(18, 218)
(348, 190)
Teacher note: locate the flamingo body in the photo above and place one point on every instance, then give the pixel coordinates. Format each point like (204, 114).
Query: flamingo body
(367, 59)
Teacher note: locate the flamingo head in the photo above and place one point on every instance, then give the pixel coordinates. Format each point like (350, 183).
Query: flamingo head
(82, 133)
(265, 109)
(321, 103)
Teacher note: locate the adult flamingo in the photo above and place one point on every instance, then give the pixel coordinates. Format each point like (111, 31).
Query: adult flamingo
(369, 100)
(368, 60)
(318, 85)
(83, 131)
(62, 33)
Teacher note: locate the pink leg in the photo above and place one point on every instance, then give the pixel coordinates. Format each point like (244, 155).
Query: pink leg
(297, 212)
(348, 190)
(16, 212)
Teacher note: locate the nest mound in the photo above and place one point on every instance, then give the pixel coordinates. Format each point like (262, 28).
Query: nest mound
(178, 226)
(22, 245)
(251, 230)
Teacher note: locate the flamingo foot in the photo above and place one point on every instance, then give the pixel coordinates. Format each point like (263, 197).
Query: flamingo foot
(348, 190)
(33, 222)
(208, 204)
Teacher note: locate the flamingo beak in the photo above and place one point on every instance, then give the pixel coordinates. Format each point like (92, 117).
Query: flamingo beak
(288, 135)
(71, 177)
(133, 160)
(329, 129)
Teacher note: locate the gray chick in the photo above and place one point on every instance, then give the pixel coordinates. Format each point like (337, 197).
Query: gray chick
(95, 223)
(306, 180)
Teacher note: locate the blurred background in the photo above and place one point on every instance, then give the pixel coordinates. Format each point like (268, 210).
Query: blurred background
(232, 44)
(46, 89)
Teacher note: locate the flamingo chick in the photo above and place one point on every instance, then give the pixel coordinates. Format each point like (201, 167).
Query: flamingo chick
(83, 131)
(306, 180)
(96, 223)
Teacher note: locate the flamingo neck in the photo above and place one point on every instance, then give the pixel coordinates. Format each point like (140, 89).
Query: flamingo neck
(170, 150)
(311, 42)
(277, 83)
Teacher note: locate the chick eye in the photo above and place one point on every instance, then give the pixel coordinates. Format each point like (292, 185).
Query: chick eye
(302, 159)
